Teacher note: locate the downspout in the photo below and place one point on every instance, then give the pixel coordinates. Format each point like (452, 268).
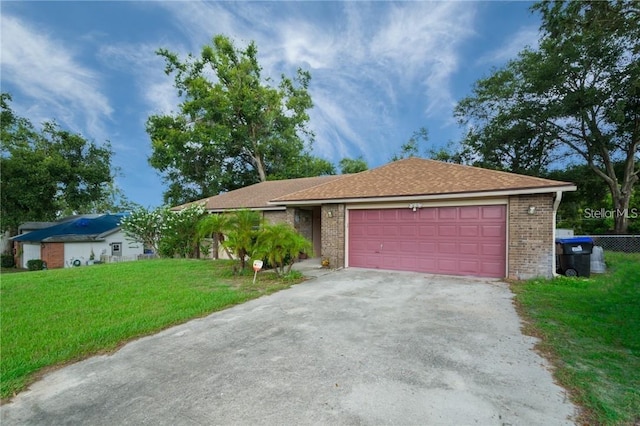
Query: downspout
(556, 203)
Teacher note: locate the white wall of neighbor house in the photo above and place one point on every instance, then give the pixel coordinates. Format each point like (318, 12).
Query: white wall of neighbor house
(129, 247)
(82, 250)
(30, 251)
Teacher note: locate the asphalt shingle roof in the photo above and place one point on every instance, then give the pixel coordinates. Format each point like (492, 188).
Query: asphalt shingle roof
(417, 177)
(257, 196)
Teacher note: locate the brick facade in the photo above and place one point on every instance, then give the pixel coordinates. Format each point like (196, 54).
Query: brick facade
(274, 216)
(333, 234)
(53, 255)
(530, 242)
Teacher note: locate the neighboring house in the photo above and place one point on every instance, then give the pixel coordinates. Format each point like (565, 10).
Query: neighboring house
(71, 241)
(419, 215)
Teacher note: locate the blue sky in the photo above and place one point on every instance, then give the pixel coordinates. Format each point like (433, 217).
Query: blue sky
(380, 70)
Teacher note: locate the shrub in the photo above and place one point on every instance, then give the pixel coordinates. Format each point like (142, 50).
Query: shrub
(7, 260)
(36, 264)
(280, 245)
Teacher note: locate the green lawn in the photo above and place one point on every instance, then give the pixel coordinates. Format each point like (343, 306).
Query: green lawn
(590, 328)
(49, 318)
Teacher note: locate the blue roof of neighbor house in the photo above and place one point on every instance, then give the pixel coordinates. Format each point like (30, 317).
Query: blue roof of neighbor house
(81, 229)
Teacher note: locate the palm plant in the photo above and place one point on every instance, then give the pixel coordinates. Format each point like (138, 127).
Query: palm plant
(242, 230)
(280, 245)
(215, 226)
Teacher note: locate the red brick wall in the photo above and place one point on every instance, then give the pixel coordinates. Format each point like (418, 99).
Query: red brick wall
(530, 244)
(53, 254)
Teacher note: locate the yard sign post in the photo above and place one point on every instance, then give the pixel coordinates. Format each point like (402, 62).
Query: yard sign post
(257, 265)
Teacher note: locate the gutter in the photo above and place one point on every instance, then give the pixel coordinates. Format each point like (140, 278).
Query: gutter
(556, 203)
(426, 197)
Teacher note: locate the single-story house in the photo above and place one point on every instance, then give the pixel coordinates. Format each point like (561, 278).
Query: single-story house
(72, 241)
(418, 215)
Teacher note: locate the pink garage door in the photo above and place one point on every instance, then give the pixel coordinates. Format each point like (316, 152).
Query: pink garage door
(468, 240)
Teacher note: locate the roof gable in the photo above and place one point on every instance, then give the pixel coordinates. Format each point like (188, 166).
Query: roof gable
(421, 177)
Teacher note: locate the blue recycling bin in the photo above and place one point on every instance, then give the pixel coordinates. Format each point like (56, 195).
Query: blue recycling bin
(573, 256)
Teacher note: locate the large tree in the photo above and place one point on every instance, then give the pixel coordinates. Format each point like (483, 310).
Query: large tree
(233, 127)
(577, 95)
(49, 172)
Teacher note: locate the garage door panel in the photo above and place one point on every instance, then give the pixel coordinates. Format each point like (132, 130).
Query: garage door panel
(447, 213)
(470, 213)
(470, 249)
(470, 266)
(469, 240)
(409, 247)
(493, 230)
(446, 247)
(427, 247)
(399, 262)
(374, 246)
(358, 229)
(391, 247)
(403, 231)
(371, 215)
(387, 215)
(427, 214)
(494, 212)
(469, 230)
(447, 266)
(406, 215)
(426, 264)
(447, 231)
(358, 245)
(374, 229)
(493, 269)
(427, 230)
(492, 249)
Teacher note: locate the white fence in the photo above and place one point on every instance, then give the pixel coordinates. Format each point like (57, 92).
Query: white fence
(115, 259)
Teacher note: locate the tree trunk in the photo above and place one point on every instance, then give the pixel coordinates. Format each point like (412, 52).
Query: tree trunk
(215, 247)
(260, 168)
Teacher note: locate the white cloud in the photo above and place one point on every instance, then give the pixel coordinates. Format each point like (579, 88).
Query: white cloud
(47, 71)
(147, 68)
(421, 42)
(525, 37)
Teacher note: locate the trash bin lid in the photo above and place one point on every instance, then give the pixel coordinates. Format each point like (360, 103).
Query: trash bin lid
(575, 240)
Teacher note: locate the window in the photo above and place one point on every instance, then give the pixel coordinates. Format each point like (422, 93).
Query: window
(116, 249)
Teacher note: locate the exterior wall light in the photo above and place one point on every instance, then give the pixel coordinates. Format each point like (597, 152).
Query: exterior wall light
(415, 207)
(532, 210)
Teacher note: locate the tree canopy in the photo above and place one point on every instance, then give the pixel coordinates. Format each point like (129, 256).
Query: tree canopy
(411, 148)
(575, 97)
(50, 172)
(350, 165)
(233, 127)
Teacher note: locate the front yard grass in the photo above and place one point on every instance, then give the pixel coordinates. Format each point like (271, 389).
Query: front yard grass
(590, 329)
(49, 318)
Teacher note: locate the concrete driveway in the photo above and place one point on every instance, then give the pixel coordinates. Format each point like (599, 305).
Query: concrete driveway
(351, 347)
